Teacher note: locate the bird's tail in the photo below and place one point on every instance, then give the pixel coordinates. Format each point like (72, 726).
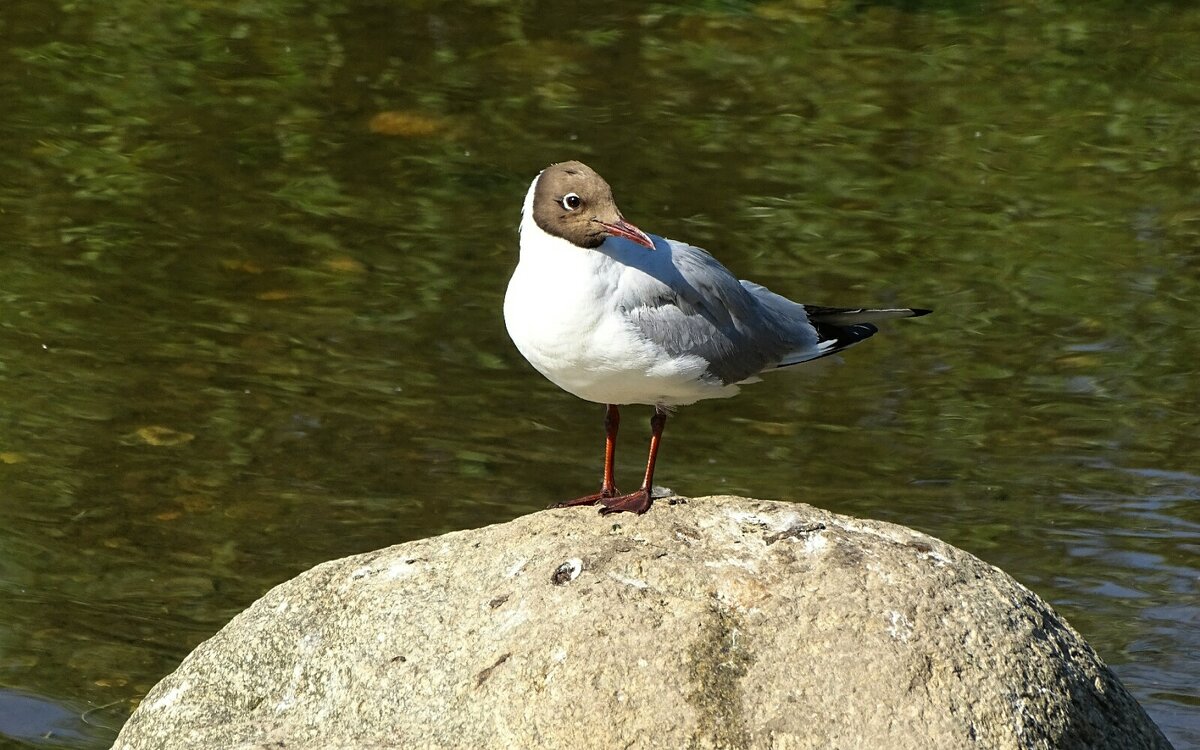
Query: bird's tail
(835, 327)
(841, 327)
(844, 316)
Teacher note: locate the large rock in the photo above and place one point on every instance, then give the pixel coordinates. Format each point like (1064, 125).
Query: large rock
(713, 623)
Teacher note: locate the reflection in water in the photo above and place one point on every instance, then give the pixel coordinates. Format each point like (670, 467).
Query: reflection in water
(41, 722)
(254, 258)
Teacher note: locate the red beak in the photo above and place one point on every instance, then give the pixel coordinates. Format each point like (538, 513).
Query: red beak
(624, 229)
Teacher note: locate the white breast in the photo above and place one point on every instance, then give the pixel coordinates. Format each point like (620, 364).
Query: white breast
(560, 313)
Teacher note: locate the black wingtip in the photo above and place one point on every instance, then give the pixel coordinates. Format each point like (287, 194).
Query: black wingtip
(918, 312)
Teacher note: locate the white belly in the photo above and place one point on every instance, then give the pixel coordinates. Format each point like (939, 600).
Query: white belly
(560, 317)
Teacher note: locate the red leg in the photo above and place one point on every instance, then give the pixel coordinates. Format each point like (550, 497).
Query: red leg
(612, 420)
(639, 502)
(608, 488)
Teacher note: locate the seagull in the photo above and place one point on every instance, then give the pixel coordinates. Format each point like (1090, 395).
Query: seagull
(617, 316)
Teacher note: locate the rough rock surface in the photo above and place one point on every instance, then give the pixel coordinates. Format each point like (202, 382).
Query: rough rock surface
(718, 622)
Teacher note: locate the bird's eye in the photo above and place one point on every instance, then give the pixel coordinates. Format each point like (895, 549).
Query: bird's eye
(571, 201)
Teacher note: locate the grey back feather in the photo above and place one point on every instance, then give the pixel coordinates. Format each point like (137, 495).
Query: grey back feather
(697, 307)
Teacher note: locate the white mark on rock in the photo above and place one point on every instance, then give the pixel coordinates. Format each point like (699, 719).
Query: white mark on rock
(567, 572)
(771, 523)
(938, 558)
(557, 657)
(900, 627)
(635, 582)
(517, 567)
(510, 620)
(731, 562)
(814, 543)
(289, 695)
(877, 529)
(400, 569)
(172, 695)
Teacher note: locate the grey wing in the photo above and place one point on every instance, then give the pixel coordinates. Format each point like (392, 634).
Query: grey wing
(699, 308)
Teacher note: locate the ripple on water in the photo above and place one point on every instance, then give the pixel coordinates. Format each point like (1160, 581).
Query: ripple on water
(41, 721)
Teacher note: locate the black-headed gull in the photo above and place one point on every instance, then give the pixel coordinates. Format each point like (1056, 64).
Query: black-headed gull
(617, 316)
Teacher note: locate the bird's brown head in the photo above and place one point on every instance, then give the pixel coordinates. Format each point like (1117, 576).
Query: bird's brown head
(573, 202)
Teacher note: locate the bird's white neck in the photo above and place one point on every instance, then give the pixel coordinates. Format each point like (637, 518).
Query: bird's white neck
(538, 245)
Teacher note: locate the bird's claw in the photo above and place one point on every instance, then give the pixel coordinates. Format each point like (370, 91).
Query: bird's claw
(635, 502)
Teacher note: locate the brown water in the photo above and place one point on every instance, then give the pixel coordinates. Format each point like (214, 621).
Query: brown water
(253, 256)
